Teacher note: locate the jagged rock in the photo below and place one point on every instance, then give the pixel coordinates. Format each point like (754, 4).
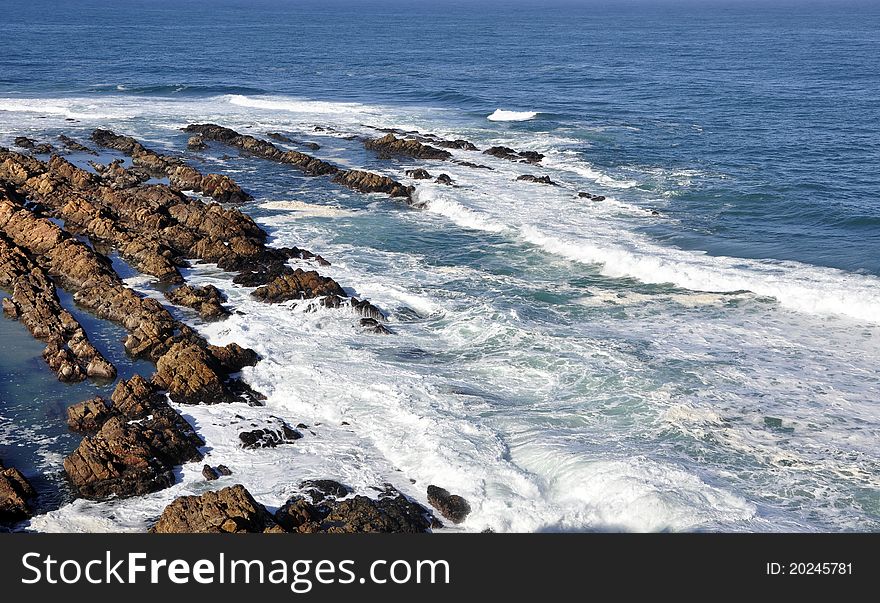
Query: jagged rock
(15, 492)
(419, 174)
(457, 144)
(372, 325)
(537, 179)
(392, 512)
(207, 300)
(478, 166)
(298, 284)
(35, 303)
(286, 139)
(366, 309)
(233, 357)
(451, 506)
(514, 155)
(191, 375)
(43, 148)
(268, 437)
(391, 146)
(209, 473)
(591, 197)
(71, 144)
(367, 182)
(196, 143)
(262, 148)
(223, 470)
(230, 510)
(444, 179)
(136, 449)
(180, 175)
(88, 415)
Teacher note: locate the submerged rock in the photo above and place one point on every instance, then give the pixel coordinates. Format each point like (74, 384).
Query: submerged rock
(591, 197)
(268, 437)
(196, 143)
(71, 144)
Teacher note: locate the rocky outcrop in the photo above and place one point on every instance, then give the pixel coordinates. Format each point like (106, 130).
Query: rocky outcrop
(262, 148)
(88, 415)
(34, 302)
(180, 175)
(15, 492)
(457, 144)
(419, 174)
(196, 143)
(288, 140)
(72, 145)
(514, 155)
(230, 510)
(371, 325)
(268, 437)
(444, 179)
(43, 148)
(298, 284)
(136, 448)
(391, 146)
(207, 300)
(451, 506)
(321, 510)
(590, 196)
(368, 182)
(537, 179)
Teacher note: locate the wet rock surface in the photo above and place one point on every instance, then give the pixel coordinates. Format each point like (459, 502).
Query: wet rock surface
(180, 175)
(451, 506)
(537, 179)
(207, 300)
(34, 302)
(419, 174)
(368, 182)
(514, 155)
(391, 146)
(230, 510)
(15, 494)
(136, 448)
(73, 145)
(590, 196)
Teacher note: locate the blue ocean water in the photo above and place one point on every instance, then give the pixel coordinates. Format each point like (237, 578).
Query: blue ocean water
(568, 364)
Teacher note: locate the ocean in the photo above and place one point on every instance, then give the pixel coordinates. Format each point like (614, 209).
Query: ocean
(696, 352)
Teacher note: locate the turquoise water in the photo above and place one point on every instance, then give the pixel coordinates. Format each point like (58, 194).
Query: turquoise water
(564, 364)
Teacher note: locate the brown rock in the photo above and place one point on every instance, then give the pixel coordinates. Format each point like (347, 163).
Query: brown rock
(391, 146)
(230, 510)
(88, 415)
(537, 179)
(207, 300)
(367, 182)
(451, 506)
(15, 491)
(298, 284)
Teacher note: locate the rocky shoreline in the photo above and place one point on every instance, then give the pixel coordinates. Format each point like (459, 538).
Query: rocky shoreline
(54, 216)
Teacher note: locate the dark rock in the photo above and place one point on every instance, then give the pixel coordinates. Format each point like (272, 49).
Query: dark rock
(230, 510)
(444, 179)
(268, 437)
(209, 473)
(320, 490)
(591, 197)
(419, 174)
(374, 326)
(224, 470)
(73, 145)
(457, 144)
(263, 149)
(537, 179)
(367, 182)
(513, 155)
(391, 146)
(478, 166)
(451, 506)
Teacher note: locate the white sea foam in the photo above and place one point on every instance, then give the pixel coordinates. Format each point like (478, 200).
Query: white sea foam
(300, 209)
(502, 115)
